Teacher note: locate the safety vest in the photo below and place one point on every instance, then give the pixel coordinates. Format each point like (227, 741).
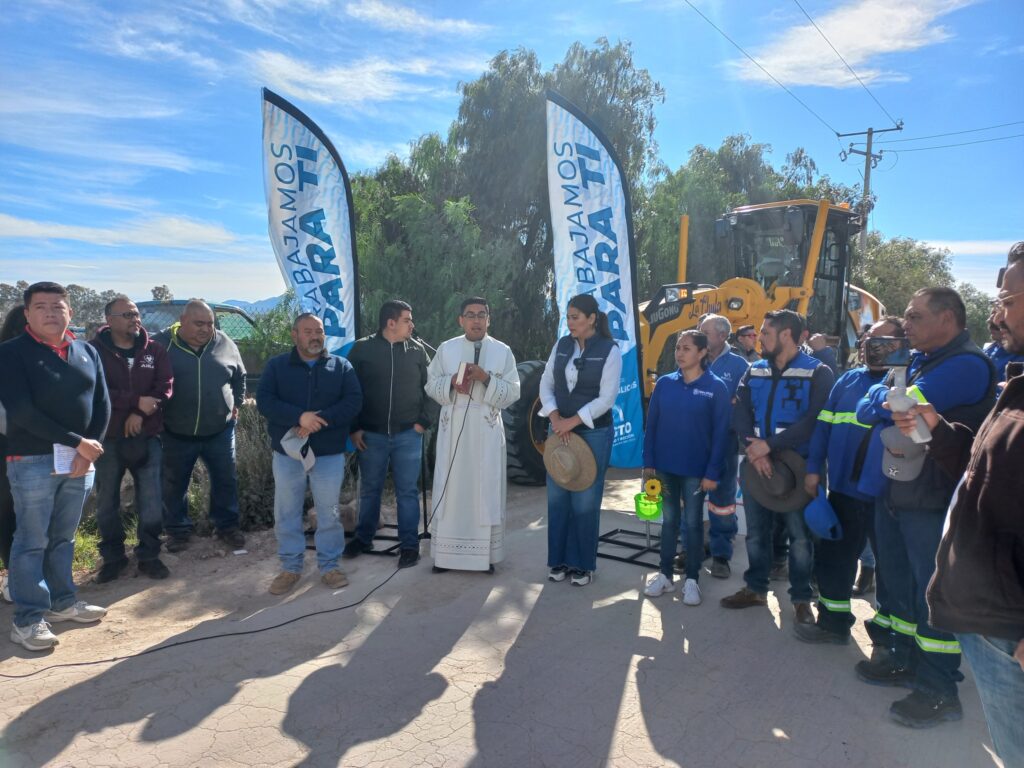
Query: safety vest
(589, 367)
(781, 398)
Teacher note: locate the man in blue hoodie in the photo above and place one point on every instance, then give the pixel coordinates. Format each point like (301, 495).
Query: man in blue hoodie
(853, 483)
(308, 395)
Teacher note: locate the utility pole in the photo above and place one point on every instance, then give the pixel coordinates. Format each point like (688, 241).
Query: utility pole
(870, 161)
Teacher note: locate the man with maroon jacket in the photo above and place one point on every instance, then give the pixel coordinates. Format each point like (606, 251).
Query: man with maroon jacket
(139, 379)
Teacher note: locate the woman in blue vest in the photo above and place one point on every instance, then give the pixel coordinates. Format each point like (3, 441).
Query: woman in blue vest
(577, 391)
(685, 443)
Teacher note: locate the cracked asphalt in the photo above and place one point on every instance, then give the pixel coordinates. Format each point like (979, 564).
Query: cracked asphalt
(454, 669)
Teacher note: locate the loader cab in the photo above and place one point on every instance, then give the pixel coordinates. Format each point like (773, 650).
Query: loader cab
(787, 245)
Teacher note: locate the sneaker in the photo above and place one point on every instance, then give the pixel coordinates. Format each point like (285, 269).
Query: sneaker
(659, 584)
(558, 573)
(923, 710)
(691, 592)
(34, 637)
(81, 612)
(581, 578)
(232, 537)
(154, 568)
(803, 614)
(882, 669)
(110, 571)
(745, 598)
(812, 633)
(720, 568)
(354, 548)
(407, 558)
(177, 543)
(5, 589)
(283, 582)
(779, 572)
(335, 578)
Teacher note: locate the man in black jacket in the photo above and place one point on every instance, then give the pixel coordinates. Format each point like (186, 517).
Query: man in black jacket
(199, 422)
(57, 410)
(309, 398)
(977, 591)
(392, 370)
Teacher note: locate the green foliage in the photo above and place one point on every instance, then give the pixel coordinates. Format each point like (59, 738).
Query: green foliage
(270, 335)
(161, 293)
(893, 269)
(979, 307)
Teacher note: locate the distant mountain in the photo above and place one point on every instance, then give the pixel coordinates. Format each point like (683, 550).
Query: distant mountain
(256, 307)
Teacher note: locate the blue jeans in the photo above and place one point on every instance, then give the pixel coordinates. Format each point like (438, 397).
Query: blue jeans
(574, 517)
(109, 471)
(723, 528)
(760, 523)
(1000, 682)
(48, 508)
(907, 542)
(682, 497)
(325, 481)
(403, 451)
(180, 456)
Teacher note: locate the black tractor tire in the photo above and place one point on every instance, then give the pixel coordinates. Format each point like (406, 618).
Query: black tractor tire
(525, 430)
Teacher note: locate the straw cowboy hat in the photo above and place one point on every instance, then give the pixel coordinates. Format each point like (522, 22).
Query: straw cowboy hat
(572, 466)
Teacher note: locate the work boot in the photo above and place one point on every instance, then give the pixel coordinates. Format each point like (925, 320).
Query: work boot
(177, 542)
(779, 571)
(232, 537)
(744, 598)
(883, 669)
(923, 710)
(284, 582)
(111, 570)
(803, 614)
(865, 583)
(354, 548)
(154, 568)
(334, 578)
(815, 634)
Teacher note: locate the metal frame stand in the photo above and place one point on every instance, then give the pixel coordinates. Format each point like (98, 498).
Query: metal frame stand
(620, 537)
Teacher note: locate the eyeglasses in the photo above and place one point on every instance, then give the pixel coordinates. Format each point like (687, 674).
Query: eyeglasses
(1002, 303)
(126, 315)
(475, 315)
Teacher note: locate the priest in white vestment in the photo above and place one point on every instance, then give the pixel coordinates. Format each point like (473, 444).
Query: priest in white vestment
(467, 524)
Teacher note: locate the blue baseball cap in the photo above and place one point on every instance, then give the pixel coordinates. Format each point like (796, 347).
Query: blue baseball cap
(821, 518)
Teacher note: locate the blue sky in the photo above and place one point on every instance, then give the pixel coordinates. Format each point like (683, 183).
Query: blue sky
(130, 132)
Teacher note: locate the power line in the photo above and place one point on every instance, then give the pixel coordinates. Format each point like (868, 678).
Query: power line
(837, 53)
(961, 144)
(758, 64)
(952, 133)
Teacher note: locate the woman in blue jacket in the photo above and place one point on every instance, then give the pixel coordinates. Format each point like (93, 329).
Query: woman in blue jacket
(686, 443)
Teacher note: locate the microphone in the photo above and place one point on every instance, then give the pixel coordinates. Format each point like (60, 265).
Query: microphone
(476, 352)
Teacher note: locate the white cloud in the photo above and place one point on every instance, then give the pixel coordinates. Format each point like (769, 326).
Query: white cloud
(399, 18)
(134, 42)
(974, 247)
(862, 31)
(155, 231)
(359, 84)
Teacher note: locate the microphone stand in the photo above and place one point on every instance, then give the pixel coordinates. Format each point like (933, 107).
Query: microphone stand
(423, 460)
